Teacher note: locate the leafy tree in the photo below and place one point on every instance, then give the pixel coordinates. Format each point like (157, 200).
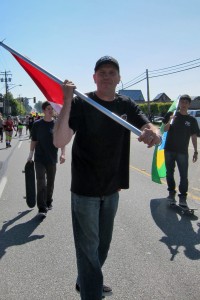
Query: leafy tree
(38, 106)
(27, 107)
(19, 106)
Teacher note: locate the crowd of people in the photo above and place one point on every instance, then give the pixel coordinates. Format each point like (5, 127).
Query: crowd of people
(13, 126)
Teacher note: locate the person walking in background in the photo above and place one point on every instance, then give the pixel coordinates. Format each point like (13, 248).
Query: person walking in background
(1, 128)
(8, 127)
(18, 124)
(179, 130)
(27, 123)
(37, 117)
(45, 157)
(30, 124)
(15, 122)
(100, 168)
(20, 127)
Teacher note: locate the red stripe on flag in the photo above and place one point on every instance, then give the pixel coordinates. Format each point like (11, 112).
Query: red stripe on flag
(50, 88)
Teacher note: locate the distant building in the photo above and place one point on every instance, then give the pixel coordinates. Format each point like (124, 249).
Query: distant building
(195, 104)
(136, 95)
(162, 97)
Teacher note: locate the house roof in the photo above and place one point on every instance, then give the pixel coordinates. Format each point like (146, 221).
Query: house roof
(136, 95)
(161, 97)
(195, 97)
(158, 96)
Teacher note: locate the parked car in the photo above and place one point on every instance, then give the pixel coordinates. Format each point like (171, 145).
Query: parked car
(157, 120)
(196, 114)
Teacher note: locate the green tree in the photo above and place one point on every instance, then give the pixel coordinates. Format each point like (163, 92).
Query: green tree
(17, 107)
(38, 106)
(27, 107)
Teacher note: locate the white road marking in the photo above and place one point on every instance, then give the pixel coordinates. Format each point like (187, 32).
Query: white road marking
(20, 143)
(2, 185)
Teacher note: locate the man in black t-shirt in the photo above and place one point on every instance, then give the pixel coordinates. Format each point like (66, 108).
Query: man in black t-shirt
(30, 124)
(45, 158)
(100, 168)
(180, 127)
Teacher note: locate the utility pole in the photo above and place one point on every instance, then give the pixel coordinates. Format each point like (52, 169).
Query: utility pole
(148, 95)
(6, 78)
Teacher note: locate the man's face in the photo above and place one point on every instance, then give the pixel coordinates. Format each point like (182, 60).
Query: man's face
(184, 104)
(106, 77)
(48, 111)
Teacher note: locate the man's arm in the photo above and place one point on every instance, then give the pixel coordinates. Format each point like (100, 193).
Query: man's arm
(32, 148)
(62, 155)
(194, 142)
(171, 120)
(62, 133)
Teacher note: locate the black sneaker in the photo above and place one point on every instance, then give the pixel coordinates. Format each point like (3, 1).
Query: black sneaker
(184, 205)
(49, 204)
(77, 288)
(50, 207)
(171, 196)
(106, 289)
(183, 201)
(172, 202)
(42, 212)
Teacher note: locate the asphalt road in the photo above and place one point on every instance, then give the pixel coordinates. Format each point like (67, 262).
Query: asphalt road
(155, 252)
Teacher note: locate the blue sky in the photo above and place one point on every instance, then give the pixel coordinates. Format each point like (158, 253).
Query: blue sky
(67, 37)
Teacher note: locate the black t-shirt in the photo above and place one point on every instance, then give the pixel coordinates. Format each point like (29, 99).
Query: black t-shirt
(180, 131)
(45, 151)
(30, 121)
(100, 151)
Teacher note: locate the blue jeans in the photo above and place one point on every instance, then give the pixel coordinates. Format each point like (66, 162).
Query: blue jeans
(93, 221)
(171, 158)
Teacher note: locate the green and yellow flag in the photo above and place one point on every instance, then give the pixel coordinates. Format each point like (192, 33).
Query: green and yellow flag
(158, 169)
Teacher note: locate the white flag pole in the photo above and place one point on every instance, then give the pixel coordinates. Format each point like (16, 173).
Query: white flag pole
(76, 92)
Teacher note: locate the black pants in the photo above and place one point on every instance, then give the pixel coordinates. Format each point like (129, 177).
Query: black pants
(1, 134)
(45, 176)
(171, 159)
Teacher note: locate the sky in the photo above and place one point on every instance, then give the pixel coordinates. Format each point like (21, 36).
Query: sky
(67, 38)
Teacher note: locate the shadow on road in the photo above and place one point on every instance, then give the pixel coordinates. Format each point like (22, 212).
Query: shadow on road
(19, 234)
(177, 228)
(3, 148)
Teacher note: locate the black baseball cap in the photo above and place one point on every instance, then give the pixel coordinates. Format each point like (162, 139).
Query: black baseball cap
(185, 97)
(106, 60)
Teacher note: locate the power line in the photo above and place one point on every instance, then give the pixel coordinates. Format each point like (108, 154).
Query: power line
(167, 70)
(134, 83)
(176, 65)
(135, 78)
(174, 72)
(163, 71)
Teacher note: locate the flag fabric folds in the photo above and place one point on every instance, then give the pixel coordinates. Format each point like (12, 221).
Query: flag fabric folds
(51, 89)
(158, 169)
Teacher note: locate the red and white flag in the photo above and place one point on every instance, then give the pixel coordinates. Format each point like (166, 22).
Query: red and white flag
(51, 87)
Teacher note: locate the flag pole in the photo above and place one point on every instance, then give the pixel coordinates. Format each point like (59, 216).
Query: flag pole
(78, 93)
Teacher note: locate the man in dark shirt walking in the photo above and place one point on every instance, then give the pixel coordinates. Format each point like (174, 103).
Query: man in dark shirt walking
(180, 127)
(100, 168)
(45, 158)
(30, 124)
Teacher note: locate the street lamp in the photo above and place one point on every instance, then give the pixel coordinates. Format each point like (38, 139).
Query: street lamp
(12, 87)
(6, 100)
